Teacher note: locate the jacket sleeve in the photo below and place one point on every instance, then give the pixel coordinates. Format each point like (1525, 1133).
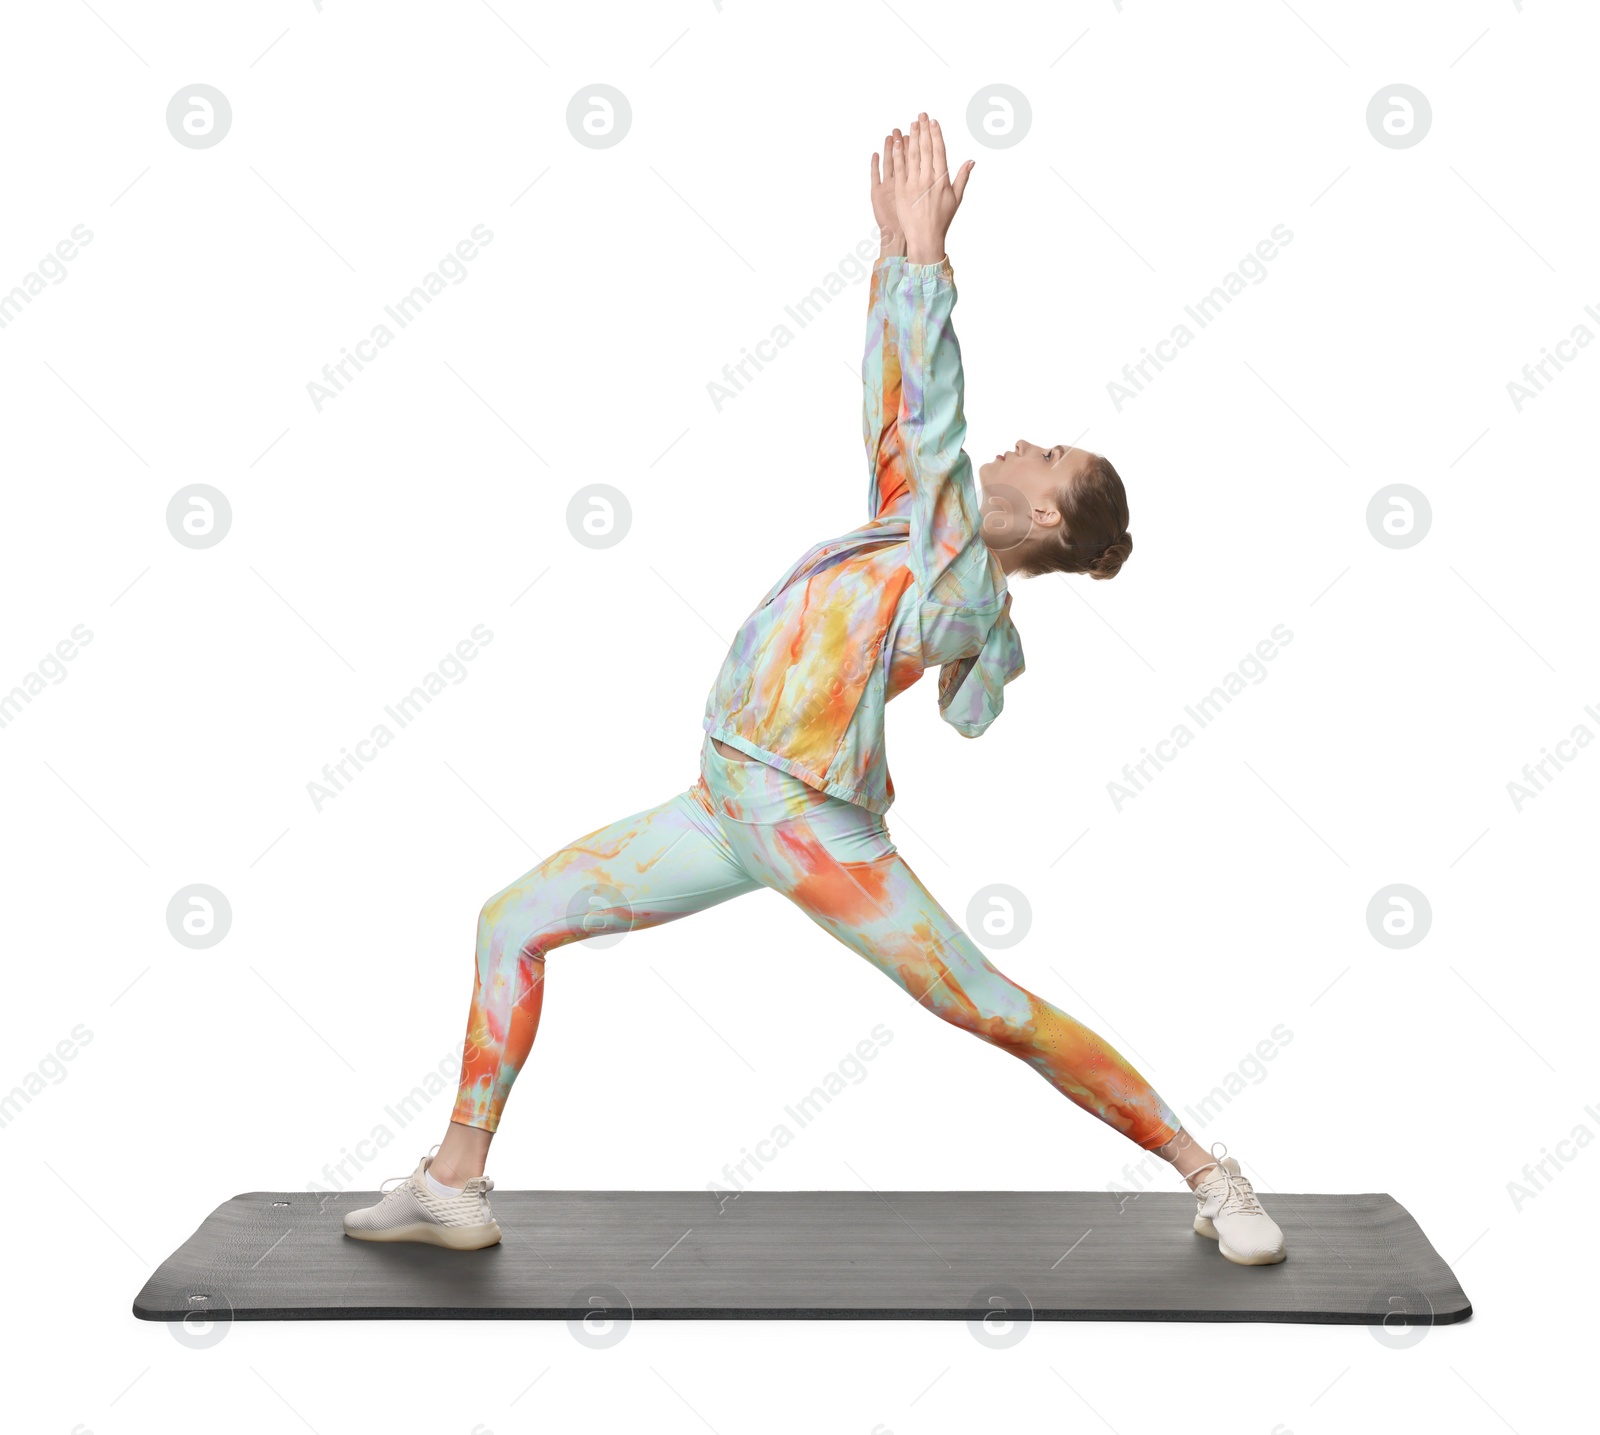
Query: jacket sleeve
(888, 491)
(948, 555)
(972, 689)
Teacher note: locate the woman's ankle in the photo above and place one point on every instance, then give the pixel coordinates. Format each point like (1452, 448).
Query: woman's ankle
(449, 1175)
(463, 1154)
(1188, 1158)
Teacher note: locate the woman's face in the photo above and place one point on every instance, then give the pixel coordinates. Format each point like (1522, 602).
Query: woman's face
(1019, 492)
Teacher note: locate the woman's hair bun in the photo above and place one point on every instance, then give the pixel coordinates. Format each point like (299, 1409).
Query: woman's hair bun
(1111, 558)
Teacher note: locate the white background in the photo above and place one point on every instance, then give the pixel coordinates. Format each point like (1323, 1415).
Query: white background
(369, 538)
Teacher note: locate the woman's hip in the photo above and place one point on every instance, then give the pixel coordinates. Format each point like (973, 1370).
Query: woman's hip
(765, 811)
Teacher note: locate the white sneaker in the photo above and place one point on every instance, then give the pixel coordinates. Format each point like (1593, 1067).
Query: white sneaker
(1231, 1215)
(412, 1212)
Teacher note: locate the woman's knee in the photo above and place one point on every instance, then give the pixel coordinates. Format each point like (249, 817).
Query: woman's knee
(512, 925)
(533, 921)
(985, 1002)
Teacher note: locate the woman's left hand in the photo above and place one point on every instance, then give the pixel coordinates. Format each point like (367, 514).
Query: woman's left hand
(926, 198)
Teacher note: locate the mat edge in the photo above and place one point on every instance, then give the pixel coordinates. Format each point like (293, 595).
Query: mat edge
(565, 1313)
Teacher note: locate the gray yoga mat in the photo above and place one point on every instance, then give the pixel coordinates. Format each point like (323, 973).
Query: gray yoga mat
(811, 1255)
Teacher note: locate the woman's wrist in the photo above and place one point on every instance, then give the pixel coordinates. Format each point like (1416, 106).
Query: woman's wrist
(889, 244)
(924, 253)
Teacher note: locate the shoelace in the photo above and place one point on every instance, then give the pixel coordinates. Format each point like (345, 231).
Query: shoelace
(1241, 1196)
(431, 1153)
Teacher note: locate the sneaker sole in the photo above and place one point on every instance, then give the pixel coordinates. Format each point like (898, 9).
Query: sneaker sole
(1204, 1227)
(455, 1238)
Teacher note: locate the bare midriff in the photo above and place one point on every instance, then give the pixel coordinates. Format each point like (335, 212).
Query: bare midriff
(732, 752)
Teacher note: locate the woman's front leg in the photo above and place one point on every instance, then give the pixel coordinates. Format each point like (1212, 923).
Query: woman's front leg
(653, 867)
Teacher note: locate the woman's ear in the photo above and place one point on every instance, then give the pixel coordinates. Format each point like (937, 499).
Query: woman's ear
(1046, 517)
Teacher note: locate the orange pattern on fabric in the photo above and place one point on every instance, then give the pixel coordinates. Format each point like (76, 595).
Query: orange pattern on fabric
(859, 618)
(743, 826)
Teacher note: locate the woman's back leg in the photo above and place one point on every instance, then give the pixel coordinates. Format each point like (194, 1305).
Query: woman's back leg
(880, 909)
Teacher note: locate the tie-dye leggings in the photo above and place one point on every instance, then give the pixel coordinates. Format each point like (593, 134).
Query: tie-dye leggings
(746, 825)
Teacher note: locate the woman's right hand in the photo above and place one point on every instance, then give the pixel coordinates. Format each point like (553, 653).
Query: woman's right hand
(890, 239)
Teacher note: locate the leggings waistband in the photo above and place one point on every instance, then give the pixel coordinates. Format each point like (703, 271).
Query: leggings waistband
(755, 791)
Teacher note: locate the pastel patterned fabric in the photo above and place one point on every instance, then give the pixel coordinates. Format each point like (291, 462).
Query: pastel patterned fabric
(746, 825)
(859, 618)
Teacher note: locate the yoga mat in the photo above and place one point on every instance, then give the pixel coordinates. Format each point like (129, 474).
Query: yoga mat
(811, 1255)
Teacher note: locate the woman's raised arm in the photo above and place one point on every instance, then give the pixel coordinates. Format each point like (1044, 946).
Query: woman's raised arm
(948, 553)
(888, 491)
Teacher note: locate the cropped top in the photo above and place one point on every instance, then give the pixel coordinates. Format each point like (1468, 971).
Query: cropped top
(858, 618)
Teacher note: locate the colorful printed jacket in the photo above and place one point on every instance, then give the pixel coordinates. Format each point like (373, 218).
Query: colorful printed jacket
(858, 619)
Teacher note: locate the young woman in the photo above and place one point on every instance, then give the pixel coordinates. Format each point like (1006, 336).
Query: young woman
(793, 782)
